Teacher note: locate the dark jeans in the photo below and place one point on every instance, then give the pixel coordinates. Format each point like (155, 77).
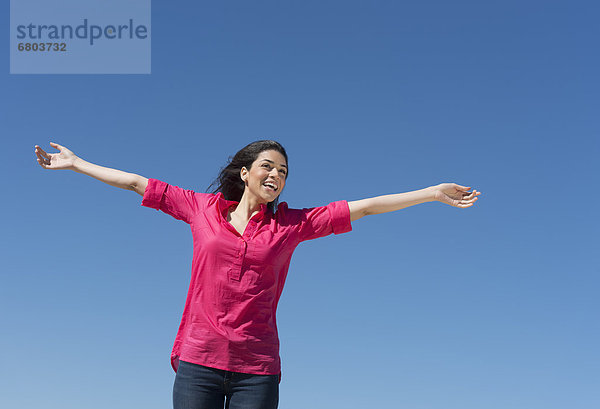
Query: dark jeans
(200, 387)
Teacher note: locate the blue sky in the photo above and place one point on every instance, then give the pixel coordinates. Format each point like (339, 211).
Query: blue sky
(494, 306)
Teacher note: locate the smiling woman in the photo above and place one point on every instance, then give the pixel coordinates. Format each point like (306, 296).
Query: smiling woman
(226, 350)
(259, 163)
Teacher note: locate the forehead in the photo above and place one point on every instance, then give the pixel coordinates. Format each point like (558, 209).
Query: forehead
(272, 156)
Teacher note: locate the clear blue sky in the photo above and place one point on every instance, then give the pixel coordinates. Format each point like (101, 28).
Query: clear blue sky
(494, 306)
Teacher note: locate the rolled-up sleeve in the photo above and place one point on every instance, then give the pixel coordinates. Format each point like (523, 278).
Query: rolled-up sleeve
(180, 203)
(324, 220)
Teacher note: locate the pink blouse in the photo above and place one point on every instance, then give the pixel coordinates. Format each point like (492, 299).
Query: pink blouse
(229, 318)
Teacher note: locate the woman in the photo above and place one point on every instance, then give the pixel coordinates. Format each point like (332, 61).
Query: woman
(227, 349)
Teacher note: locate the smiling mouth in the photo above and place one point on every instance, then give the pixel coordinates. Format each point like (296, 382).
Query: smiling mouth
(271, 186)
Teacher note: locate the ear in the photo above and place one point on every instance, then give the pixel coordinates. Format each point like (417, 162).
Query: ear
(243, 174)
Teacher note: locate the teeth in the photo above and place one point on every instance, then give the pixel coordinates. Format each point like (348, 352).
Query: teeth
(272, 186)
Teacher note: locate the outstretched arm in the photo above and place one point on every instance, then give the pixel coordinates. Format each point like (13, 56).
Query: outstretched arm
(66, 159)
(449, 193)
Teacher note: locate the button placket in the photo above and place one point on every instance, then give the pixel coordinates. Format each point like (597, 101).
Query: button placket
(235, 271)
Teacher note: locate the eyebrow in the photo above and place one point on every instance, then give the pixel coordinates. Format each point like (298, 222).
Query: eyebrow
(268, 160)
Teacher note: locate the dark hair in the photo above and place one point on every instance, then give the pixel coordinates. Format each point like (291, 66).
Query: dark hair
(229, 181)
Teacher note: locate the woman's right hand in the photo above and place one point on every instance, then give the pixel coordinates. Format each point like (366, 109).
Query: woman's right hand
(65, 159)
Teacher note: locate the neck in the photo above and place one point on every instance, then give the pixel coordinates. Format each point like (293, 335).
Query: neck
(247, 207)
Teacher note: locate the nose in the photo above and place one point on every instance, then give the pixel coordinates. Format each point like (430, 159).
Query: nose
(274, 173)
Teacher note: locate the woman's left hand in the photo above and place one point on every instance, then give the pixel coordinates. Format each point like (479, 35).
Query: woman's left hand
(455, 195)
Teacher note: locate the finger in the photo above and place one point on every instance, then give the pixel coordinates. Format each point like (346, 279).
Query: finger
(43, 159)
(472, 194)
(460, 187)
(466, 195)
(56, 146)
(468, 202)
(38, 149)
(464, 205)
(42, 163)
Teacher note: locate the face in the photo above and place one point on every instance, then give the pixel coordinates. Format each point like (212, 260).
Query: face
(266, 177)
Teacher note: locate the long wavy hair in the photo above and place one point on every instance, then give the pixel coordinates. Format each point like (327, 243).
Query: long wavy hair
(229, 181)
